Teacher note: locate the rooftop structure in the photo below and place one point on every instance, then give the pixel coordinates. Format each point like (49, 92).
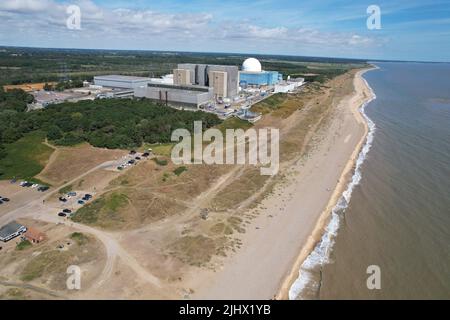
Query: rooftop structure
(251, 65)
(11, 230)
(119, 81)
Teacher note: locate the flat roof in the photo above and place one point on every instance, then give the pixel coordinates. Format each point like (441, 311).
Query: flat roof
(116, 77)
(9, 229)
(178, 87)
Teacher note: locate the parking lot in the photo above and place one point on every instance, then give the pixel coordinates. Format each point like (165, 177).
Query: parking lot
(18, 196)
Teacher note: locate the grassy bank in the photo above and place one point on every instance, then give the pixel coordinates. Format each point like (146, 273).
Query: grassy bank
(26, 157)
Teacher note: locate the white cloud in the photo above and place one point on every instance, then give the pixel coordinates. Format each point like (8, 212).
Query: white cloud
(46, 19)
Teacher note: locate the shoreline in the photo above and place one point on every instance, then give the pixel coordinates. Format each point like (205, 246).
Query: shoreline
(291, 217)
(344, 180)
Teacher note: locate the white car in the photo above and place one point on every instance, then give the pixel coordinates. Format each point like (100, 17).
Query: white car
(35, 185)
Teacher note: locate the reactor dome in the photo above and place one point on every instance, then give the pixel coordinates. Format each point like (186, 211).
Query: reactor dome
(251, 65)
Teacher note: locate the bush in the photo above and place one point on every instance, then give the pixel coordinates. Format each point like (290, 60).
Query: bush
(22, 245)
(180, 170)
(161, 162)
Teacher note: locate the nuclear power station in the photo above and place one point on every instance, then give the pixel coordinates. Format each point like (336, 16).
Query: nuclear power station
(203, 85)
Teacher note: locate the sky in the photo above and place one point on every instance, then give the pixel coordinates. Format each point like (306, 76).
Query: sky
(409, 29)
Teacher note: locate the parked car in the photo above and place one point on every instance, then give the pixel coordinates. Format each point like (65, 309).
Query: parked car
(81, 201)
(72, 194)
(131, 161)
(62, 214)
(138, 158)
(62, 199)
(145, 154)
(132, 152)
(67, 211)
(5, 199)
(43, 188)
(87, 195)
(119, 168)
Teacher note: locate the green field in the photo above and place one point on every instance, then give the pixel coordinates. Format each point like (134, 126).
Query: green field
(25, 158)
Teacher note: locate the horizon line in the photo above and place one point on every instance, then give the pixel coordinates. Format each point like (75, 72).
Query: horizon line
(367, 60)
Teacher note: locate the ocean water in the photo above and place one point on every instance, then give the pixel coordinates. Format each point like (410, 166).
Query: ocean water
(395, 213)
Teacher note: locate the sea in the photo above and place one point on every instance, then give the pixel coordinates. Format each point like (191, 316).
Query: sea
(389, 235)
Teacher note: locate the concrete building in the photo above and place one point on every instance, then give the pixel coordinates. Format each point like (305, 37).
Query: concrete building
(118, 81)
(11, 230)
(181, 77)
(176, 95)
(200, 75)
(218, 80)
(253, 75)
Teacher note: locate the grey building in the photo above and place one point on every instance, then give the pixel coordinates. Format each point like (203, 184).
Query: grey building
(118, 81)
(200, 75)
(11, 230)
(177, 95)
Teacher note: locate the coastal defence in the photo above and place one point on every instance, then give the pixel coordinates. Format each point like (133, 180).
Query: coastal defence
(296, 280)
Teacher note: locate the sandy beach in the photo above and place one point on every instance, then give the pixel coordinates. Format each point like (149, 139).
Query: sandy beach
(291, 220)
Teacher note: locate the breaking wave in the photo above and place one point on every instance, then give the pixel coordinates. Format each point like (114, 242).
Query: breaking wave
(308, 283)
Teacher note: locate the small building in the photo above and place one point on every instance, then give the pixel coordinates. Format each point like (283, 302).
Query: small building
(284, 87)
(177, 95)
(119, 81)
(11, 230)
(35, 236)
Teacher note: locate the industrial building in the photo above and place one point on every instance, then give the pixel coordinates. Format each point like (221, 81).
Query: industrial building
(192, 96)
(253, 75)
(123, 82)
(182, 77)
(11, 230)
(289, 85)
(224, 79)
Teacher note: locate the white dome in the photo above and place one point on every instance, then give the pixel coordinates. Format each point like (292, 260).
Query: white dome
(251, 65)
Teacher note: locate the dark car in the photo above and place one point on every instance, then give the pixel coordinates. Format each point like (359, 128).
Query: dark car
(62, 214)
(138, 158)
(131, 161)
(81, 201)
(5, 199)
(43, 188)
(145, 154)
(62, 199)
(67, 211)
(132, 152)
(87, 195)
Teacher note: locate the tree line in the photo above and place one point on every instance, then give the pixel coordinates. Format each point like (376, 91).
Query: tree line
(107, 123)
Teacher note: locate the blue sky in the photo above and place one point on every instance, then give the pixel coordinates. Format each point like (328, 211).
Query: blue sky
(410, 30)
